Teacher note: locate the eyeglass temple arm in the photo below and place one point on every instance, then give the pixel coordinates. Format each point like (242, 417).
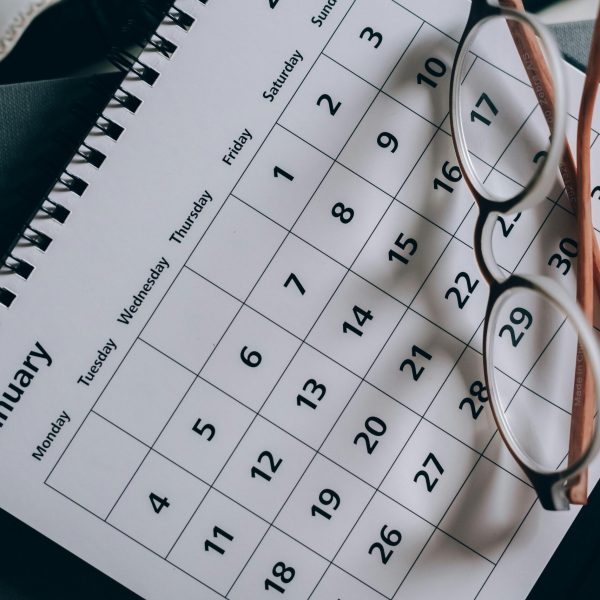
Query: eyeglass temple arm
(582, 420)
(588, 259)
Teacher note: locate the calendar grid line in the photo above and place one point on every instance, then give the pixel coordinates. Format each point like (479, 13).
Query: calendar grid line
(318, 317)
(363, 381)
(232, 499)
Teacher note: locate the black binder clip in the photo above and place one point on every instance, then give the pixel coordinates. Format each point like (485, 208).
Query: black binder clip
(56, 211)
(6, 297)
(90, 155)
(18, 266)
(36, 238)
(127, 62)
(73, 183)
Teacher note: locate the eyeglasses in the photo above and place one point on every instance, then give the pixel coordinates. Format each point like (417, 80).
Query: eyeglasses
(525, 312)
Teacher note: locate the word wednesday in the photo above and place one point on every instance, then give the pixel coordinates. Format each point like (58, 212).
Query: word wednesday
(128, 313)
(237, 146)
(23, 378)
(98, 363)
(280, 81)
(55, 428)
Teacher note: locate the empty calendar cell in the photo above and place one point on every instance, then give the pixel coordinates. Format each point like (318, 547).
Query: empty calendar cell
(488, 510)
(380, 151)
(445, 569)
(187, 325)
(369, 434)
(97, 465)
(144, 392)
(296, 285)
(250, 358)
(462, 407)
(455, 294)
(328, 105)
(436, 188)
(218, 541)
(558, 357)
(343, 586)
(415, 362)
(384, 544)
(553, 252)
(279, 566)
(204, 431)
(264, 469)
(429, 472)
(494, 107)
(310, 396)
(282, 177)
(513, 233)
(342, 215)
(236, 248)
(356, 324)
(541, 429)
(158, 502)
(401, 252)
(324, 507)
(421, 79)
(372, 38)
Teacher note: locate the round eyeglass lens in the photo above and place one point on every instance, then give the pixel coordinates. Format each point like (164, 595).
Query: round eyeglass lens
(532, 345)
(506, 138)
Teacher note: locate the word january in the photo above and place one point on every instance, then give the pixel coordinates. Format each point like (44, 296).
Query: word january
(285, 73)
(237, 146)
(55, 428)
(102, 355)
(138, 298)
(23, 378)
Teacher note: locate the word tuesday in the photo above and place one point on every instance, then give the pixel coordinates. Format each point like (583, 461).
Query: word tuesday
(280, 81)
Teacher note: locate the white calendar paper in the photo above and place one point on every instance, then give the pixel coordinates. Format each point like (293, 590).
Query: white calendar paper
(243, 374)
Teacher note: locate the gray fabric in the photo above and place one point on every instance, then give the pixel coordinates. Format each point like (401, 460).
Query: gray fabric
(574, 40)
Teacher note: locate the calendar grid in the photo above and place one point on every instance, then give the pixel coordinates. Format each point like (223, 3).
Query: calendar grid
(362, 379)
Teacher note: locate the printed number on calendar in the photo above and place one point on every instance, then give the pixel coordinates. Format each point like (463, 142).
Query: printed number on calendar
(267, 461)
(407, 246)
(520, 317)
(316, 391)
(567, 250)
(424, 474)
(217, 532)
(362, 316)
(329, 499)
(451, 174)
(478, 393)
(435, 68)
(506, 229)
(456, 292)
(374, 428)
(416, 352)
(491, 110)
(333, 108)
(371, 36)
(282, 572)
(389, 540)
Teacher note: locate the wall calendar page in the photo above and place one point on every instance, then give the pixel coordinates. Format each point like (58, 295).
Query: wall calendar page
(250, 363)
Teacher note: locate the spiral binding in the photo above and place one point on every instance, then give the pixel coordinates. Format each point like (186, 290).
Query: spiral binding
(129, 65)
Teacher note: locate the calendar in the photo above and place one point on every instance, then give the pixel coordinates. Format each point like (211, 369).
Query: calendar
(257, 345)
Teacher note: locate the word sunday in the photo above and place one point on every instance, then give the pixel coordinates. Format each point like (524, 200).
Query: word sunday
(319, 19)
(23, 378)
(280, 81)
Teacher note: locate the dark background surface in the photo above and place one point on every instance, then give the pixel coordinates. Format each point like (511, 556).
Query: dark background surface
(39, 131)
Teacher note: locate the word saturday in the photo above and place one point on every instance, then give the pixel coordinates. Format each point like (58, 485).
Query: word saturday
(285, 72)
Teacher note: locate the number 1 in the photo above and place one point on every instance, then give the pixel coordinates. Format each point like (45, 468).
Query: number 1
(278, 171)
